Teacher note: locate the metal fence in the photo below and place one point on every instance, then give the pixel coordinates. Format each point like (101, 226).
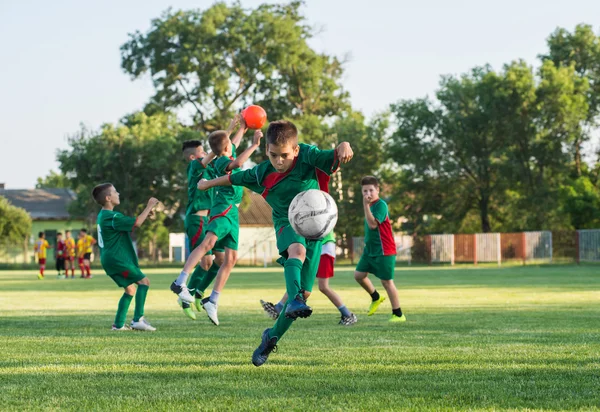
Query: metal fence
(539, 247)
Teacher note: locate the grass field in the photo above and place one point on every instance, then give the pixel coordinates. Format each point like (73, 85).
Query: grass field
(492, 339)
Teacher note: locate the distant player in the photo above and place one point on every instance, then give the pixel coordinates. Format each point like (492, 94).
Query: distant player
(40, 247)
(291, 169)
(69, 254)
(60, 256)
(80, 254)
(379, 255)
(88, 243)
(223, 226)
(118, 257)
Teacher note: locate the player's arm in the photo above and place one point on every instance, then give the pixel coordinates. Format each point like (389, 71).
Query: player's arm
(207, 159)
(329, 160)
(241, 159)
(247, 178)
(371, 221)
(237, 138)
(93, 241)
(209, 184)
(144, 215)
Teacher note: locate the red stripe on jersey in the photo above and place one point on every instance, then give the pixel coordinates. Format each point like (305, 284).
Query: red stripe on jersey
(220, 214)
(386, 236)
(323, 179)
(198, 233)
(272, 179)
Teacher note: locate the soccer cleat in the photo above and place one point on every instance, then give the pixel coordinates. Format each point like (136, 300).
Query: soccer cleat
(142, 324)
(298, 308)
(187, 309)
(198, 301)
(269, 309)
(397, 319)
(124, 327)
(267, 345)
(183, 292)
(375, 305)
(40, 276)
(211, 310)
(348, 320)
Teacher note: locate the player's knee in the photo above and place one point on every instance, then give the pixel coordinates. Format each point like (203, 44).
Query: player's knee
(297, 251)
(219, 258)
(206, 262)
(130, 290)
(144, 281)
(323, 289)
(358, 276)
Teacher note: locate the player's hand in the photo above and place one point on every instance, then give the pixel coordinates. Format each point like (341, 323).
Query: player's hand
(344, 152)
(152, 202)
(366, 200)
(203, 184)
(234, 122)
(257, 136)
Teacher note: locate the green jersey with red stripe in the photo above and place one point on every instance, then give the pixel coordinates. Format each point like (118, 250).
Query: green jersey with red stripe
(116, 249)
(379, 241)
(226, 196)
(310, 169)
(198, 199)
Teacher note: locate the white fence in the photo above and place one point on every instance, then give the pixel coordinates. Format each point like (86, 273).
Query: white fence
(403, 247)
(589, 245)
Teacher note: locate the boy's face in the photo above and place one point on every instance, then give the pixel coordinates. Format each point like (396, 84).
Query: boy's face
(68, 235)
(59, 237)
(199, 153)
(282, 156)
(370, 192)
(228, 148)
(113, 196)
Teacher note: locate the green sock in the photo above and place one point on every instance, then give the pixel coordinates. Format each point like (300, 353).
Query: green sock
(208, 278)
(196, 278)
(282, 324)
(124, 303)
(292, 270)
(140, 301)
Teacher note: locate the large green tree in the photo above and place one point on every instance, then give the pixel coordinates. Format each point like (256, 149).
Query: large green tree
(213, 62)
(52, 181)
(15, 224)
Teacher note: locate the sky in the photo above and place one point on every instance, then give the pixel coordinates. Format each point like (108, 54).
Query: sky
(60, 60)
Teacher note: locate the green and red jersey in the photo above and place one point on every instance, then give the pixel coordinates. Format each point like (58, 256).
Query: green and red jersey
(114, 239)
(198, 199)
(226, 196)
(379, 241)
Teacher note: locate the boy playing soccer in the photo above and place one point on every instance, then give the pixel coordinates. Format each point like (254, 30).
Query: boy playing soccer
(379, 255)
(40, 249)
(291, 169)
(60, 255)
(324, 273)
(88, 242)
(118, 256)
(196, 221)
(223, 227)
(70, 254)
(80, 254)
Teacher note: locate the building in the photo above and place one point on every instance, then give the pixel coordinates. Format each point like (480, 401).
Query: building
(257, 245)
(48, 209)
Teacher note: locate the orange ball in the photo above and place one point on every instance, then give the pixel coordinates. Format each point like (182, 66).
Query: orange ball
(254, 116)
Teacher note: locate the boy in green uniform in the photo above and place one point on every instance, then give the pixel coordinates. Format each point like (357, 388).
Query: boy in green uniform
(223, 226)
(118, 256)
(291, 169)
(196, 220)
(379, 255)
(324, 273)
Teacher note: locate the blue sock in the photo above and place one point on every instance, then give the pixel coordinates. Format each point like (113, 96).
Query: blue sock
(344, 310)
(214, 297)
(279, 307)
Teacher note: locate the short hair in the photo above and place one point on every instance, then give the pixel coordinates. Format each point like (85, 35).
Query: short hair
(218, 141)
(369, 180)
(41, 234)
(189, 147)
(100, 192)
(282, 132)
(67, 231)
(59, 234)
(83, 230)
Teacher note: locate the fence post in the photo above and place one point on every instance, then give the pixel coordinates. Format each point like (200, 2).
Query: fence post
(577, 247)
(499, 248)
(550, 247)
(475, 249)
(428, 248)
(351, 248)
(452, 250)
(524, 247)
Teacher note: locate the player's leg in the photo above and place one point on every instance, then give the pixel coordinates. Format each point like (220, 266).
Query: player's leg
(123, 308)
(347, 318)
(385, 272)
(72, 267)
(81, 266)
(196, 231)
(42, 263)
(210, 275)
(139, 322)
(361, 276)
(211, 303)
(86, 264)
(179, 286)
(273, 310)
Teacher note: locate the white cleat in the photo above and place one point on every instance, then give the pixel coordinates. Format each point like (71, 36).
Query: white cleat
(122, 328)
(211, 311)
(183, 292)
(142, 324)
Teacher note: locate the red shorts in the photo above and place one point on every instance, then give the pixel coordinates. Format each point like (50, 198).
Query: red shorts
(325, 270)
(42, 261)
(80, 261)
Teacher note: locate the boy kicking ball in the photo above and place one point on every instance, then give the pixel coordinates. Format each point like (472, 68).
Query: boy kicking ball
(118, 256)
(379, 255)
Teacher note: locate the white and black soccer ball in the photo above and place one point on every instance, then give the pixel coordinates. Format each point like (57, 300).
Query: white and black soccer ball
(313, 214)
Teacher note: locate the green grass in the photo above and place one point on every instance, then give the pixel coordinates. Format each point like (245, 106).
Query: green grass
(514, 338)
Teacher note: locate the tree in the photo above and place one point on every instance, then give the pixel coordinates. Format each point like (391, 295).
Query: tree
(53, 181)
(15, 225)
(213, 62)
(139, 156)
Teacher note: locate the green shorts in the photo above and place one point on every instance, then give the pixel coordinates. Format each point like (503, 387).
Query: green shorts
(285, 238)
(226, 226)
(127, 276)
(195, 229)
(381, 266)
